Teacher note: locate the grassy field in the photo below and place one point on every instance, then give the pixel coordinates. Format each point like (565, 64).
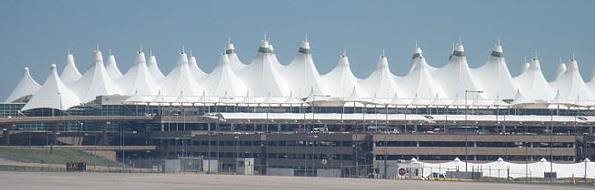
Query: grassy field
(52, 156)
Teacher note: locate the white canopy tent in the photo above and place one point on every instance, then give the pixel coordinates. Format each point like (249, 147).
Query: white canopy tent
(138, 80)
(419, 83)
(264, 74)
(341, 81)
(504, 169)
(26, 87)
(95, 82)
(234, 60)
(455, 77)
(154, 68)
(381, 82)
(494, 78)
(570, 85)
(112, 68)
(70, 74)
(302, 76)
(181, 81)
(560, 70)
(532, 83)
(223, 81)
(196, 72)
(53, 94)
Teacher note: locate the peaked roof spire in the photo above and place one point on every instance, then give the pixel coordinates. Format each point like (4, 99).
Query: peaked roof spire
(70, 73)
(112, 68)
(26, 86)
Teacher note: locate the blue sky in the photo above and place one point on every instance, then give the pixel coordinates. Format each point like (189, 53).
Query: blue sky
(37, 33)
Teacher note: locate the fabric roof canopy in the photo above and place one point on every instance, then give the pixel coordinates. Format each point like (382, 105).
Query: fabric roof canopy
(26, 87)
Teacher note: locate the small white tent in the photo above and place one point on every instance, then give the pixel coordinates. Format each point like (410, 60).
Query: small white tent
(196, 72)
(112, 68)
(70, 74)
(26, 87)
(154, 68)
(234, 60)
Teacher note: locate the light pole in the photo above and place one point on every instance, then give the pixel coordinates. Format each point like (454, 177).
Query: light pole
(466, 128)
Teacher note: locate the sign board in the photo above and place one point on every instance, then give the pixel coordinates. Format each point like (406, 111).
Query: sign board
(402, 171)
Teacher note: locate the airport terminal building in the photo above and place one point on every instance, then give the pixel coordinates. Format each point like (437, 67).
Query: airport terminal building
(291, 116)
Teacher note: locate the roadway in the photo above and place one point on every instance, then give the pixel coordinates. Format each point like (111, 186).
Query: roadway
(145, 181)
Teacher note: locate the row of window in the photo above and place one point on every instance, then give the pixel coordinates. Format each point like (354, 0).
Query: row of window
(472, 144)
(12, 109)
(270, 155)
(471, 158)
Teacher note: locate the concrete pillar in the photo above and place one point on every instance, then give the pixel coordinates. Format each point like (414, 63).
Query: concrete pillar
(417, 143)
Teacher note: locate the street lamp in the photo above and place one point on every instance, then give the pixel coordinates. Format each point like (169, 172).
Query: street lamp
(466, 128)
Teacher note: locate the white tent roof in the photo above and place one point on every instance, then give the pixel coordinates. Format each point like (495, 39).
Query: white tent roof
(560, 70)
(266, 79)
(53, 94)
(154, 68)
(196, 72)
(494, 77)
(138, 80)
(381, 83)
(302, 75)
(180, 80)
(341, 82)
(223, 81)
(70, 74)
(95, 82)
(234, 60)
(456, 78)
(112, 68)
(504, 169)
(532, 83)
(525, 68)
(419, 83)
(571, 86)
(263, 76)
(26, 87)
